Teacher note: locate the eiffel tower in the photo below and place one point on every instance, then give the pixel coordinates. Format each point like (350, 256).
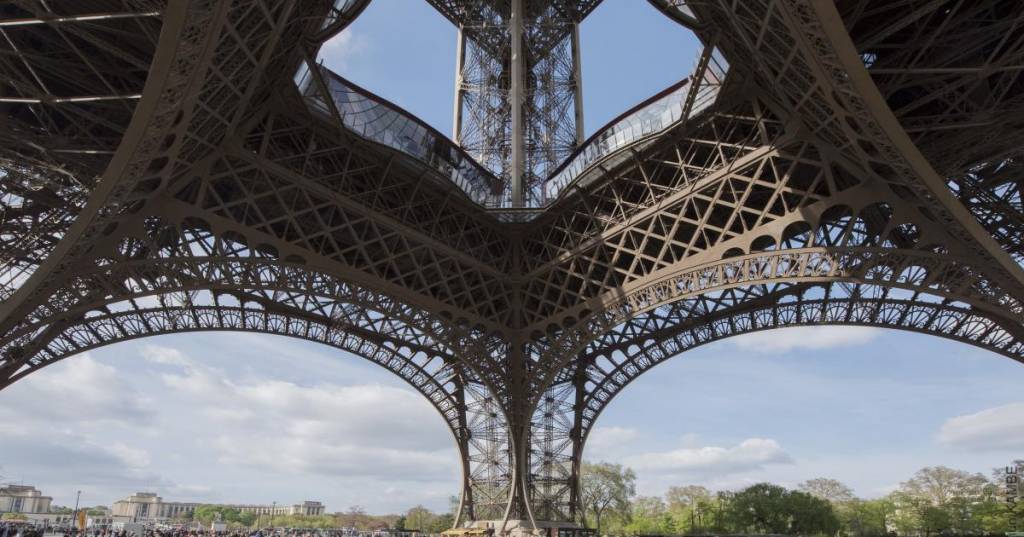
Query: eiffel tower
(187, 165)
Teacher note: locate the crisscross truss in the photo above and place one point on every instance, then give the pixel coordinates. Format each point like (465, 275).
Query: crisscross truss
(163, 169)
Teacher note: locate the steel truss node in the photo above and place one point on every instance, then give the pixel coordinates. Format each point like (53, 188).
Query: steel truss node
(182, 166)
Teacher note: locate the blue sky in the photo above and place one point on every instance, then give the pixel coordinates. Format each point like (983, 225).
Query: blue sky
(246, 418)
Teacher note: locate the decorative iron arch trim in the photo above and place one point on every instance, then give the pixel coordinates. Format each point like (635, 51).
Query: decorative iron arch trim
(937, 319)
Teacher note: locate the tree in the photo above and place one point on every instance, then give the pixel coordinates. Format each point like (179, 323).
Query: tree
(247, 519)
(865, 518)
(441, 523)
(210, 513)
(827, 489)
(604, 488)
(690, 507)
(810, 515)
(688, 496)
(767, 508)
(939, 484)
(934, 520)
(759, 508)
(419, 518)
(649, 515)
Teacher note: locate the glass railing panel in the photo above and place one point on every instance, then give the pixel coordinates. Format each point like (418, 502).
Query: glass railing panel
(679, 10)
(377, 120)
(343, 10)
(652, 118)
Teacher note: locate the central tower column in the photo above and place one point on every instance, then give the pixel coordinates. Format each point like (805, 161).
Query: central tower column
(518, 87)
(516, 83)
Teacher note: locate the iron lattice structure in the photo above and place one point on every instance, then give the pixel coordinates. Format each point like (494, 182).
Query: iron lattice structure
(184, 165)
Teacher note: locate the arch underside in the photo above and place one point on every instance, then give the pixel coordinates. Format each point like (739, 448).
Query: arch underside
(618, 358)
(181, 277)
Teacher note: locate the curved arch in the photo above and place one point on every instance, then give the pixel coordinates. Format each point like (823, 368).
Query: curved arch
(917, 276)
(429, 372)
(467, 404)
(648, 340)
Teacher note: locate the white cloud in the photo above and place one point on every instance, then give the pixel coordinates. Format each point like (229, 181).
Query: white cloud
(319, 429)
(805, 337)
(337, 52)
(712, 461)
(606, 443)
(79, 389)
(997, 428)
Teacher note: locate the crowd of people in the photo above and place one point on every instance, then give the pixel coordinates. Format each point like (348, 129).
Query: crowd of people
(21, 529)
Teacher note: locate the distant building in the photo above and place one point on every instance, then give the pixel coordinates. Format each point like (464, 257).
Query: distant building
(307, 508)
(23, 499)
(148, 507)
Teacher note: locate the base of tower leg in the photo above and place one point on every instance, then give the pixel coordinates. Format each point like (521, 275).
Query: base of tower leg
(523, 528)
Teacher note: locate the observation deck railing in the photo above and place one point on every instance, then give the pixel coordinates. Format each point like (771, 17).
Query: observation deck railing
(676, 104)
(678, 11)
(342, 13)
(375, 119)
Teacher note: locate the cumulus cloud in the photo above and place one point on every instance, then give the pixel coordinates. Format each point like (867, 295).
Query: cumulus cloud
(998, 428)
(319, 429)
(712, 461)
(609, 442)
(338, 51)
(805, 337)
(80, 389)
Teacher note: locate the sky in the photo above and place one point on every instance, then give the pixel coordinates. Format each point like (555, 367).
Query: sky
(245, 418)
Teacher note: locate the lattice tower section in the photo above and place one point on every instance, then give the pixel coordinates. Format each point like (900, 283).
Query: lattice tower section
(550, 91)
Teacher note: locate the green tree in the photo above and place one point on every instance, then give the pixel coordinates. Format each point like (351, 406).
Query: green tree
(759, 508)
(810, 515)
(209, 513)
(247, 519)
(938, 485)
(419, 518)
(690, 507)
(831, 490)
(649, 515)
(865, 518)
(441, 522)
(934, 520)
(605, 488)
(939, 499)
(768, 508)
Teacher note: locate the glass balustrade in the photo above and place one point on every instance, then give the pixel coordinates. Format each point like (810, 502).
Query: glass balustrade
(375, 119)
(663, 111)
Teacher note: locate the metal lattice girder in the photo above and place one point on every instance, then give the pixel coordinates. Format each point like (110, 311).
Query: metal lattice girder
(161, 171)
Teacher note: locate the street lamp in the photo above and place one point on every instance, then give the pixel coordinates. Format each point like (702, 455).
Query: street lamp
(74, 514)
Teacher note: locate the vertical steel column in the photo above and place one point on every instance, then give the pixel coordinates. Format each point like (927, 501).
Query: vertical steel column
(466, 511)
(515, 98)
(580, 382)
(460, 64)
(577, 82)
